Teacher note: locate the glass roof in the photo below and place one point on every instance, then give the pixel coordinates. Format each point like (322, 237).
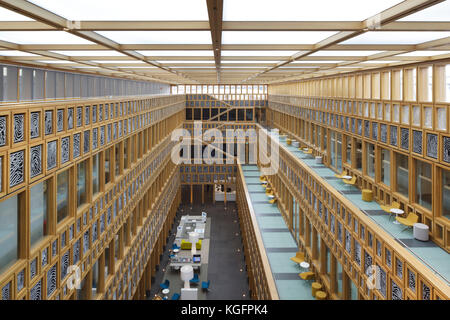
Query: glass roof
(256, 53)
(295, 10)
(16, 53)
(343, 53)
(423, 53)
(8, 15)
(438, 12)
(100, 53)
(156, 53)
(41, 37)
(396, 37)
(158, 37)
(274, 37)
(131, 10)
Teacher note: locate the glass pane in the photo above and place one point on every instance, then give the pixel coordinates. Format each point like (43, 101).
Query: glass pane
(386, 167)
(107, 166)
(423, 184)
(62, 196)
(445, 194)
(9, 231)
(371, 160)
(38, 212)
(81, 184)
(402, 174)
(95, 174)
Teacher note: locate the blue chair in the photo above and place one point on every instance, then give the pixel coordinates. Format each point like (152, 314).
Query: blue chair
(195, 279)
(174, 246)
(176, 296)
(205, 285)
(165, 285)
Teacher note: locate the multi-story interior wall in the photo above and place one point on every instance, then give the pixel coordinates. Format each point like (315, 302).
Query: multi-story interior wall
(86, 185)
(388, 127)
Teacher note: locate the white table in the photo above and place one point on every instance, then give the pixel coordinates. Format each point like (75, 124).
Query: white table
(397, 212)
(420, 231)
(271, 196)
(346, 177)
(304, 265)
(165, 291)
(176, 250)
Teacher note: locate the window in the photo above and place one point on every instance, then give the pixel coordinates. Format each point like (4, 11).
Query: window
(117, 164)
(107, 167)
(423, 184)
(38, 212)
(349, 150)
(125, 154)
(386, 167)
(95, 175)
(370, 160)
(358, 154)
(445, 194)
(62, 195)
(95, 279)
(9, 236)
(81, 184)
(402, 174)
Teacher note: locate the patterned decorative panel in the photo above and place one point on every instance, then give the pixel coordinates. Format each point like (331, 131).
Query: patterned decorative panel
(6, 291)
(36, 291)
(393, 135)
(94, 138)
(383, 133)
(51, 280)
(48, 119)
(357, 253)
(367, 128)
(426, 293)
(76, 251)
(374, 130)
(18, 127)
(20, 280)
(382, 276)
(348, 241)
(70, 118)
(94, 114)
(432, 145)
(102, 135)
(397, 293)
(86, 242)
(100, 112)
(54, 248)
(87, 115)
(404, 138)
(359, 126)
(367, 262)
(388, 258)
(79, 116)
(417, 141)
(16, 168)
(35, 161)
(34, 124)
(3, 131)
(33, 268)
(51, 154)
(412, 280)
(64, 265)
(76, 145)
(86, 142)
(65, 149)
(446, 147)
(44, 257)
(108, 136)
(399, 268)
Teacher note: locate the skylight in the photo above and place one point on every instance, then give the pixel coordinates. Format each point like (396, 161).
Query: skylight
(423, 53)
(158, 37)
(41, 37)
(343, 53)
(16, 53)
(274, 37)
(157, 53)
(99, 53)
(8, 15)
(257, 53)
(396, 37)
(131, 10)
(295, 10)
(438, 12)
